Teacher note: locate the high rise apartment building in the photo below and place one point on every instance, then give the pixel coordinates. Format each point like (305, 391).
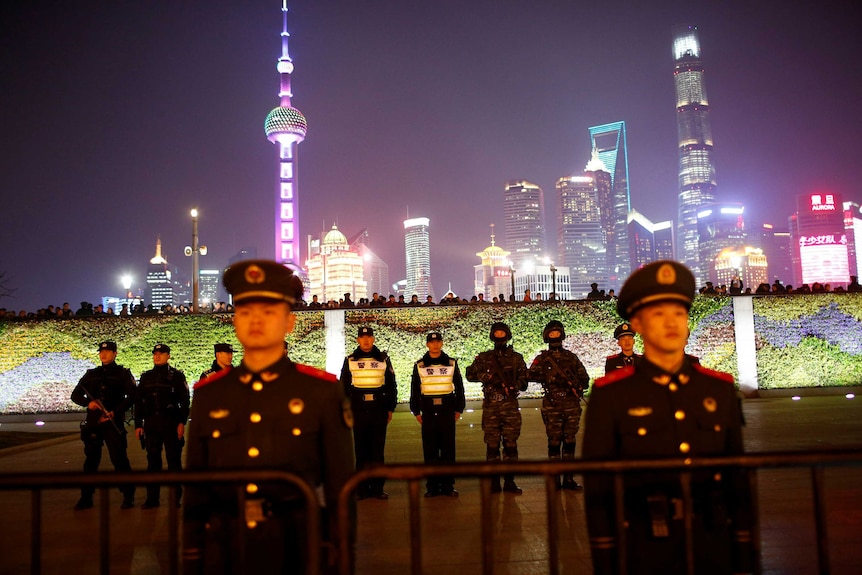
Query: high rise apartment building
(524, 222)
(417, 248)
(697, 183)
(819, 241)
(580, 244)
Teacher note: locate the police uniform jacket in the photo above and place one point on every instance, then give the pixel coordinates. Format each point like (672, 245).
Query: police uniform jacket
(619, 361)
(163, 393)
(501, 371)
(560, 372)
(643, 412)
(432, 402)
(383, 397)
(214, 368)
(112, 384)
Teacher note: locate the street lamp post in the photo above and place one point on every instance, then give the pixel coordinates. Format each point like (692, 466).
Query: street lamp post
(512, 278)
(553, 280)
(195, 250)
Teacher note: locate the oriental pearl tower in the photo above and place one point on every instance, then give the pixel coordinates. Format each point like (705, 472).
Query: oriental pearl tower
(285, 126)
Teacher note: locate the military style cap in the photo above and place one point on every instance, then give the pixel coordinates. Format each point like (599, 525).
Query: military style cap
(225, 347)
(262, 280)
(109, 345)
(659, 281)
(161, 348)
(434, 336)
(623, 329)
(365, 330)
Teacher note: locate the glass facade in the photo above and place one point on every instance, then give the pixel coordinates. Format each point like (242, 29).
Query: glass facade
(580, 246)
(524, 221)
(417, 247)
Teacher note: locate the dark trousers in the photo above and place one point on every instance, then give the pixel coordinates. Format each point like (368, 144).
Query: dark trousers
(438, 446)
(369, 443)
(161, 432)
(116, 442)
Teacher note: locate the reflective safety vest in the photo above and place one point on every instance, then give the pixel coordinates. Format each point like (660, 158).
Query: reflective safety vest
(436, 379)
(368, 373)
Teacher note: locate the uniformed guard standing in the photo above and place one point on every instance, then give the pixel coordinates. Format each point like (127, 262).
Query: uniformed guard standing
(369, 381)
(223, 359)
(267, 413)
(666, 407)
(437, 400)
(107, 392)
(503, 374)
(161, 413)
(625, 337)
(564, 380)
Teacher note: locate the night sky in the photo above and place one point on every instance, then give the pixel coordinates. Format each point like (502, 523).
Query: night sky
(118, 117)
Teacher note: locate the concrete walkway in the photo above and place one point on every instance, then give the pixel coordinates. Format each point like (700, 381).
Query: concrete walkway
(451, 525)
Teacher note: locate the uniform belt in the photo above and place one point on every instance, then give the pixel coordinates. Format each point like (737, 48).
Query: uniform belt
(496, 397)
(560, 394)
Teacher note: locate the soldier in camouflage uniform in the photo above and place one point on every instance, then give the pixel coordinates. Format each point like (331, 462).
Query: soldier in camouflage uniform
(503, 374)
(564, 379)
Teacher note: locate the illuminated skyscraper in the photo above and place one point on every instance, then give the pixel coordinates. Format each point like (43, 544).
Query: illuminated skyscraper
(285, 126)
(719, 226)
(336, 269)
(609, 143)
(819, 240)
(696, 171)
(161, 280)
(417, 247)
(579, 234)
(492, 276)
(524, 221)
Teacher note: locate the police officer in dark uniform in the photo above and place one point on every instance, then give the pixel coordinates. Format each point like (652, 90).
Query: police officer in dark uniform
(266, 413)
(625, 337)
(564, 380)
(107, 392)
(161, 413)
(665, 406)
(503, 374)
(437, 400)
(223, 359)
(369, 381)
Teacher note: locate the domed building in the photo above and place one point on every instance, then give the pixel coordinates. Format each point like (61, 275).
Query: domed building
(336, 269)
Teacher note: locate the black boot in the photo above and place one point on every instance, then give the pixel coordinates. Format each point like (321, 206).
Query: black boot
(509, 485)
(570, 484)
(495, 484)
(85, 502)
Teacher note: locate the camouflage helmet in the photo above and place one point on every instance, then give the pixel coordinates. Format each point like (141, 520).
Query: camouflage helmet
(553, 325)
(500, 326)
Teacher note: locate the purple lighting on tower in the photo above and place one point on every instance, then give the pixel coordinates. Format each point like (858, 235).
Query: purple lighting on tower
(285, 126)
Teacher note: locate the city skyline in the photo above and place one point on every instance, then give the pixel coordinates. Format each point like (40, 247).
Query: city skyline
(125, 117)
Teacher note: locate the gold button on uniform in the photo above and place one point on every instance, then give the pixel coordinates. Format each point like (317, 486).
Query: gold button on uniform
(641, 430)
(253, 451)
(717, 427)
(673, 387)
(251, 488)
(216, 433)
(684, 447)
(257, 386)
(251, 524)
(679, 415)
(297, 431)
(254, 418)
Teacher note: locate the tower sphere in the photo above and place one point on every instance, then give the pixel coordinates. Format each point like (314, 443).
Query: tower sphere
(285, 123)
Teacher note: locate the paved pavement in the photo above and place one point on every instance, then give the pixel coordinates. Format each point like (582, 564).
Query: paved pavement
(451, 526)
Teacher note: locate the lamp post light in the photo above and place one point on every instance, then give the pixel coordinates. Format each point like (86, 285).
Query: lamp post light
(126, 282)
(512, 278)
(195, 250)
(553, 280)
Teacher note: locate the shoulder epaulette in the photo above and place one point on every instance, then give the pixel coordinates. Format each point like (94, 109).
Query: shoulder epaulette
(722, 375)
(615, 375)
(316, 372)
(614, 356)
(211, 378)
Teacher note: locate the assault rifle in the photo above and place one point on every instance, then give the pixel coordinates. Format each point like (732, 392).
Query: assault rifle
(104, 412)
(555, 367)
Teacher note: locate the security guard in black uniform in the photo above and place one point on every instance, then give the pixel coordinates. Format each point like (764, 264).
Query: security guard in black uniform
(666, 407)
(564, 380)
(161, 413)
(437, 401)
(625, 337)
(266, 413)
(223, 359)
(107, 392)
(369, 381)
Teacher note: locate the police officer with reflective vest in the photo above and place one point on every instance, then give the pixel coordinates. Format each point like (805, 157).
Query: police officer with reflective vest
(223, 359)
(625, 337)
(107, 392)
(369, 383)
(665, 406)
(503, 374)
(437, 401)
(564, 380)
(161, 413)
(266, 413)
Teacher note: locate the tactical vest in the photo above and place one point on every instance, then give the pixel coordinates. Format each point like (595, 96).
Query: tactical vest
(436, 379)
(368, 373)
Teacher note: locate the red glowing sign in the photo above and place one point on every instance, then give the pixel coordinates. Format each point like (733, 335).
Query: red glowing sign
(822, 202)
(822, 240)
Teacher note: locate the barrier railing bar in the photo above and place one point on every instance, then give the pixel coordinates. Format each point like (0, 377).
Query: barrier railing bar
(619, 503)
(36, 531)
(487, 525)
(755, 522)
(553, 524)
(104, 532)
(173, 531)
(415, 528)
(685, 484)
(820, 519)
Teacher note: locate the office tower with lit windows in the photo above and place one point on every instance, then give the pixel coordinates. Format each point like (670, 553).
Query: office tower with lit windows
(697, 184)
(417, 247)
(336, 269)
(853, 230)
(648, 241)
(775, 243)
(580, 246)
(663, 235)
(819, 240)
(719, 226)
(209, 283)
(161, 280)
(609, 143)
(524, 221)
(744, 262)
(492, 277)
(285, 126)
(376, 270)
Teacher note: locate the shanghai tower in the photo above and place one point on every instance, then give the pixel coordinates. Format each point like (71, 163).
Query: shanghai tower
(696, 170)
(285, 126)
